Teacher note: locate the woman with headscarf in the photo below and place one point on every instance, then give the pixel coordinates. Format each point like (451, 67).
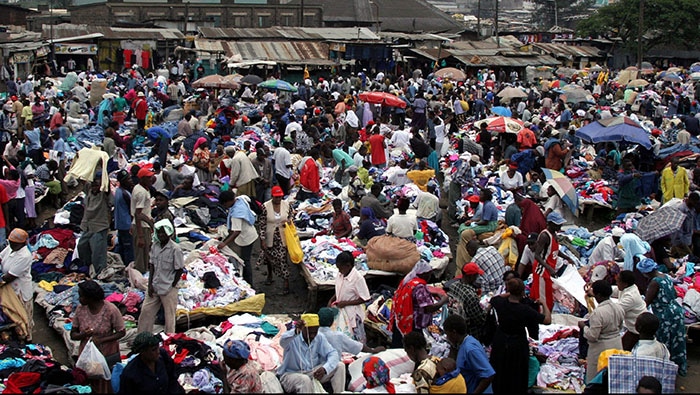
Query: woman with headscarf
(370, 226)
(242, 376)
(510, 352)
(100, 322)
(661, 297)
(377, 376)
(276, 213)
(414, 303)
(152, 371)
(200, 159)
(635, 249)
(531, 220)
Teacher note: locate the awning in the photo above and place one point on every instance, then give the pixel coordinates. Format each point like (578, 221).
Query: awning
(278, 52)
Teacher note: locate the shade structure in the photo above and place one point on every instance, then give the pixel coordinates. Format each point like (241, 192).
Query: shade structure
(576, 94)
(383, 98)
(502, 124)
(502, 111)
(280, 85)
(558, 84)
(661, 223)
(215, 81)
(615, 129)
(451, 73)
(509, 93)
(639, 83)
(251, 79)
(564, 188)
(234, 77)
(695, 76)
(672, 77)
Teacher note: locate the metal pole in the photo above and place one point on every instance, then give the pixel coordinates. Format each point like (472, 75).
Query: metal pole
(498, 40)
(556, 13)
(478, 19)
(301, 16)
(187, 16)
(377, 7)
(639, 35)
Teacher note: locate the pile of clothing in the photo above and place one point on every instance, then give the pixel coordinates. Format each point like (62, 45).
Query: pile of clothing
(561, 371)
(320, 253)
(211, 280)
(32, 369)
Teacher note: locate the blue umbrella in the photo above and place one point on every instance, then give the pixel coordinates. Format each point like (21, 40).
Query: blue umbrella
(695, 67)
(502, 111)
(278, 84)
(615, 129)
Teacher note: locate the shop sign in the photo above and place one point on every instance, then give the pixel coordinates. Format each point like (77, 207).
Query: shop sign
(75, 49)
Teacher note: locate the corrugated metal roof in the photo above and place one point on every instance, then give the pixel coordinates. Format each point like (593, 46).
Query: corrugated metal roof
(285, 52)
(558, 50)
(68, 30)
(507, 61)
(290, 33)
(431, 53)
(24, 36)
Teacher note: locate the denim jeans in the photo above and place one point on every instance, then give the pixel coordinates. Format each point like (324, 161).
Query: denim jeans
(126, 245)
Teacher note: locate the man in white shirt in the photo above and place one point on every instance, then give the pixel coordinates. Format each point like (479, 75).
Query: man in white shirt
(16, 261)
(607, 250)
(402, 224)
(292, 126)
(400, 139)
(299, 107)
(283, 164)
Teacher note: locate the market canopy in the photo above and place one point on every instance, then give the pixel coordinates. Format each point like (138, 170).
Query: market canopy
(615, 129)
(383, 98)
(451, 73)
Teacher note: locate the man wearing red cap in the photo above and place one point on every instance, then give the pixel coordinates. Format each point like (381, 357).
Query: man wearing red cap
(142, 227)
(463, 294)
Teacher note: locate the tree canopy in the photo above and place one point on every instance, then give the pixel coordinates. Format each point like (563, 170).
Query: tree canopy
(666, 22)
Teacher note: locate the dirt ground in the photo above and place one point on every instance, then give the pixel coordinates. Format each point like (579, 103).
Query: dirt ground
(297, 301)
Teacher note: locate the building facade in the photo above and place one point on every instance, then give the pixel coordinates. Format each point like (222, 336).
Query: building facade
(198, 13)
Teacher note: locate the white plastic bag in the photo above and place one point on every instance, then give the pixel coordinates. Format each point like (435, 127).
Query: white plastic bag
(93, 362)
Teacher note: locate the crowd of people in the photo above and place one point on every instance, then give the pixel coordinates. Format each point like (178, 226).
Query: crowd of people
(323, 142)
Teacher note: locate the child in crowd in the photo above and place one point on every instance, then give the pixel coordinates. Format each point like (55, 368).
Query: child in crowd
(449, 380)
(647, 324)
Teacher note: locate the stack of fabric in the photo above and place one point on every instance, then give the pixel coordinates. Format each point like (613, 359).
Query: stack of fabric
(32, 369)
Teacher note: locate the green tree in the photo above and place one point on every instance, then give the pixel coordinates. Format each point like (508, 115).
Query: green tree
(666, 22)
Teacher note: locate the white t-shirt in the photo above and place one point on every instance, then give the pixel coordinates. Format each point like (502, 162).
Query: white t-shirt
(401, 138)
(554, 202)
(511, 183)
(248, 233)
(299, 105)
(282, 159)
(19, 264)
(402, 225)
(292, 126)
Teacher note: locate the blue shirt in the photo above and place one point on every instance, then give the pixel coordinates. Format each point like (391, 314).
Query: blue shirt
(474, 365)
(300, 357)
(525, 160)
(122, 213)
(490, 212)
(34, 137)
(60, 146)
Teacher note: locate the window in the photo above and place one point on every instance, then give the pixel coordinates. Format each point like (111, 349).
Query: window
(264, 21)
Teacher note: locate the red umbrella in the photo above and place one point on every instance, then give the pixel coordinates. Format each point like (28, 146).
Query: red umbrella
(502, 124)
(383, 98)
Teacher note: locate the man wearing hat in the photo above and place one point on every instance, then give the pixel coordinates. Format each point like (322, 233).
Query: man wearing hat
(140, 107)
(16, 264)
(142, 226)
(546, 257)
(463, 296)
(283, 164)
(307, 355)
(92, 245)
(607, 250)
(242, 376)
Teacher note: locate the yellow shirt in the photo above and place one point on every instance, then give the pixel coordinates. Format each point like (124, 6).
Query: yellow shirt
(27, 113)
(674, 185)
(421, 178)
